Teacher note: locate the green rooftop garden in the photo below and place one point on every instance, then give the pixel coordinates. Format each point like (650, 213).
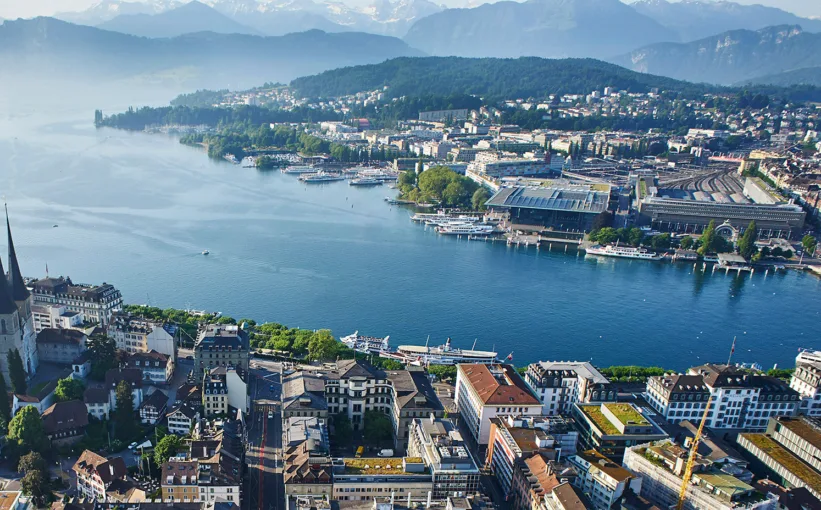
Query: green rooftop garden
(593, 412)
(374, 466)
(626, 413)
(785, 458)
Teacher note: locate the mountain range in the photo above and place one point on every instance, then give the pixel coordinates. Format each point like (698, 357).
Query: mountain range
(189, 18)
(697, 19)
(528, 21)
(544, 28)
(732, 57)
(52, 48)
(268, 17)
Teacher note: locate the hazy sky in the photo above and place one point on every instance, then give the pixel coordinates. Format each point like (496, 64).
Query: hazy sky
(28, 8)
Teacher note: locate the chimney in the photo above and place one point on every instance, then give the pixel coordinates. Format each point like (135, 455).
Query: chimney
(111, 469)
(430, 496)
(393, 494)
(409, 502)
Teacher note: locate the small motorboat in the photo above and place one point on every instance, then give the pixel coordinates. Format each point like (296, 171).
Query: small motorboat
(205, 252)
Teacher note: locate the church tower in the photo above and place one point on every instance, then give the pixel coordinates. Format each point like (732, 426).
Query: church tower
(16, 328)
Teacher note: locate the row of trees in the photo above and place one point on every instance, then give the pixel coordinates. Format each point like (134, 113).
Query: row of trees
(631, 236)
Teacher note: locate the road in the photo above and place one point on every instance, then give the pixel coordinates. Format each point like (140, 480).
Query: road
(265, 489)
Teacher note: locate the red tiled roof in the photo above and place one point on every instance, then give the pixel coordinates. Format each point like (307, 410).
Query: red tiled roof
(508, 389)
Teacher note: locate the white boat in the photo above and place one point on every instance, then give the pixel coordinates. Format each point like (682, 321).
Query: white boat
(443, 355)
(625, 252)
(320, 177)
(465, 228)
(299, 169)
(366, 344)
(452, 220)
(365, 181)
(205, 252)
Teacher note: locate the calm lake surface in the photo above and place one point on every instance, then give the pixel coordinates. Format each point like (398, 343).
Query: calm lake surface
(136, 210)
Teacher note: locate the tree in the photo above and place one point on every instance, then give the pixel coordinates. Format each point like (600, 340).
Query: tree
(166, 448)
(777, 252)
(809, 243)
(17, 374)
(124, 420)
(378, 426)
(635, 236)
(69, 389)
(606, 235)
(31, 461)
(660, 242)
(480, 196)
(708, 239)
(343, 431)
(686, 242)
(35, 486)
(26, 430)
(5, 407)
(746, 245)
(443, 371)
(104, 353)
(322, 346)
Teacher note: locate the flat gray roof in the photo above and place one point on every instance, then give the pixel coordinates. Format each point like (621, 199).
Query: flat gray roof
(558, 199)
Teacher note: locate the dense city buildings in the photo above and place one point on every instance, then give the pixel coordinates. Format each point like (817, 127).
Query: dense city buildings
(95, 302)
(661, 466)
(220, 345)
(441, 447)
(561, 384)
(789, 452)
(96, 473)
(511, 441)
(484, 392)
(806, 380)
(739, 400)
(602, 480)
(134, 334)
(61, 345)
(611, 428)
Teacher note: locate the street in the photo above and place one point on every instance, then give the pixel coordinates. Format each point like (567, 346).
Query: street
(265, 484)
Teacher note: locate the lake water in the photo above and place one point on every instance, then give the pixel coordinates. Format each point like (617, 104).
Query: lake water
(136, 210)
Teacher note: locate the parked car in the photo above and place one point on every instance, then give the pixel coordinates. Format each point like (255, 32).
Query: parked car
(270, 414)
(385, 453)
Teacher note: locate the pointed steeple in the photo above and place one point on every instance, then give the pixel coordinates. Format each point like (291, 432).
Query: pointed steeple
(19, 292)
(7, 304)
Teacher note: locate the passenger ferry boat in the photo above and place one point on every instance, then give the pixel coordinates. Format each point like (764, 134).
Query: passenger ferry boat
(625, 252)
(444, 355)
(299, 169)
(365, 181)
(320, 177)
(367, 344)
(465, 228)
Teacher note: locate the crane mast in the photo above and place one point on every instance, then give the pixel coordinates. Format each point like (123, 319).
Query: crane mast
(691, 458)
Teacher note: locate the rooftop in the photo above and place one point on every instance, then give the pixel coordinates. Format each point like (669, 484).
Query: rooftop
(784, 457)
(626, 414)
(498, 384)
(606, 465)
(377, 466)
(581, 368)
(573, 200)
(808, 429)
(594, 414)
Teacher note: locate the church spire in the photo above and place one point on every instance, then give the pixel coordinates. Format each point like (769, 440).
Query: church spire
(7, 304)
(19, 292)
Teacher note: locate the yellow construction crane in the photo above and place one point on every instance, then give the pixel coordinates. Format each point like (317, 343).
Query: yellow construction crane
(691, 458)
